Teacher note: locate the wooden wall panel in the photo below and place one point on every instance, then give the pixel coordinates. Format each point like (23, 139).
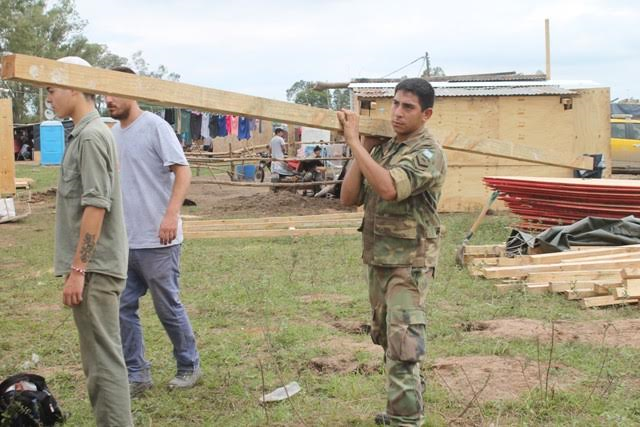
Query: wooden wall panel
(7, 163)
(536, 121)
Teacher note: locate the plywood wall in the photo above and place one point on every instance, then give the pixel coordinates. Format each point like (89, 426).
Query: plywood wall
(536, 121)
(7, 164)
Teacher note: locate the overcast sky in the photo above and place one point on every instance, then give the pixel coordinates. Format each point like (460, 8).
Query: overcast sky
(262, 47)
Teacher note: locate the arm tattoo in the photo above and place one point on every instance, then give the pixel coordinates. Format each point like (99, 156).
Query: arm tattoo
(88, 247)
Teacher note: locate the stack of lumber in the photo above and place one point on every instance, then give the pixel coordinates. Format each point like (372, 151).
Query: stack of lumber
(545, 202)
(303, 225)
(24, 183)
(601, 276)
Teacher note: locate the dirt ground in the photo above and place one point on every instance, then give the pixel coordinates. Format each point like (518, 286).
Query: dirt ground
(624, 332)
(221, 201)
(492, 378)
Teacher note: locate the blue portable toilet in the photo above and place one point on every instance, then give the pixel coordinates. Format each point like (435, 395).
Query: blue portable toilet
(51, 142)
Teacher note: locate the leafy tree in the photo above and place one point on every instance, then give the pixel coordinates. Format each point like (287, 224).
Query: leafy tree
(433, 72)
(37, 28)
(53, 30)
(142, 67)
(302, 92)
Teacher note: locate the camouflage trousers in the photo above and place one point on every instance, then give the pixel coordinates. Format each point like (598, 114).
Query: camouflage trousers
(397, 297)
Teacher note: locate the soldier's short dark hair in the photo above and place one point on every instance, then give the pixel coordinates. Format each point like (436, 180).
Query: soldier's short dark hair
(420, 88)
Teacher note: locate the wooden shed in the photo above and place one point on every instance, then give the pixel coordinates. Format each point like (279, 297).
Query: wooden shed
(563, 115)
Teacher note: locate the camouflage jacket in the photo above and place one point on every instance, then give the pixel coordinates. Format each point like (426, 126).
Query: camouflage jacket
(405, 231)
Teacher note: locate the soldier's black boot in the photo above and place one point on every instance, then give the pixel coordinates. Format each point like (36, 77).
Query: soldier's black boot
(382, 419)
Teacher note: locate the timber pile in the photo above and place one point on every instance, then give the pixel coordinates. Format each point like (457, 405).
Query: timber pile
(304, 225)
(24, 183)
(598, 277)
(545, 202)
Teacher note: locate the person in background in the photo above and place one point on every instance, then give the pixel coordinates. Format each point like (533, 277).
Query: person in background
(91, 250)
(155, 176)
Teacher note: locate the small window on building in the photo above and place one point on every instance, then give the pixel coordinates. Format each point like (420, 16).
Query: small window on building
(618, 130)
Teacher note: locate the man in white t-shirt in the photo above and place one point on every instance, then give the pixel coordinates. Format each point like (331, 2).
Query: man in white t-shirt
(277, 148)
(155, 178)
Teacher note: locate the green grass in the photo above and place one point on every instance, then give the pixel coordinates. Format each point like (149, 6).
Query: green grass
(243, 297)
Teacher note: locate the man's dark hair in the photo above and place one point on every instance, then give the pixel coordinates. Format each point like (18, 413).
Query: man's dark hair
(420, 88)
(317, 148)
(123, 69)
(278, 130)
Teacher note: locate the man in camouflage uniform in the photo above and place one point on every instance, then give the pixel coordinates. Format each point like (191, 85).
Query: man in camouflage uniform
(399, 181)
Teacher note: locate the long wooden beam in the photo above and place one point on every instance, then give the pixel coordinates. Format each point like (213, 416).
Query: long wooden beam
(46, 72)
(7, 163)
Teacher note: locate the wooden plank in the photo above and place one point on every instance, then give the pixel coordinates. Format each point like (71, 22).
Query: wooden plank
(522, 271)
(605, 300)
(514, 151)
(630, 289)
(274, 225)
(23, 182)
(573, 275)
(483, 261)
(484, 250)
(299, 184)
(276, 219)
(568, 255)
(630, 273)
(582, 293)
(536, 288)
(235, 234)
(7, 161)
(583, 284)
(605, 257)
(46, 72)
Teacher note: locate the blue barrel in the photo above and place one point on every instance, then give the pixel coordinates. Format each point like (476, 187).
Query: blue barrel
(249, 172)
(51, 142)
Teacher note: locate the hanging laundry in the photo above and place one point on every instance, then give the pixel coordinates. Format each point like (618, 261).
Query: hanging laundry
(253, 124)
(170, 115)
(196, 125)
(234, 125)
(204, 130)
(228, 118)
(244, 128)
(185, 127)
(213, 125)
(222, 126)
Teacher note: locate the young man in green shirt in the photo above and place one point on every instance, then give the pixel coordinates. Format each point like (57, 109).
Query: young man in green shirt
(91, 250)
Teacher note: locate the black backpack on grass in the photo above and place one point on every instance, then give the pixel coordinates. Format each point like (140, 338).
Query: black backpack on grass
(27, 408)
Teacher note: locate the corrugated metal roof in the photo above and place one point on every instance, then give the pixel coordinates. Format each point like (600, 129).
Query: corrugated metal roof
(472, 91)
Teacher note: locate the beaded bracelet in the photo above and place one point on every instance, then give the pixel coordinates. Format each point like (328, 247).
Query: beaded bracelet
(78, 269)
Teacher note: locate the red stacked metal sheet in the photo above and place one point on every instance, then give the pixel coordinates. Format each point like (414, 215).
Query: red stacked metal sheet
(544, 202)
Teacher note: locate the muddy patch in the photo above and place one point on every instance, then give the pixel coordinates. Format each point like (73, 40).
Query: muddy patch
(347, 356)
(352, 327)
(334, 298)
(247, 202)
(625, 332)
(492, 378)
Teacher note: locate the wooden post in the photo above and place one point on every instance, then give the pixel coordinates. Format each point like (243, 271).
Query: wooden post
(7, 161)
(547, 42)
(46, 72)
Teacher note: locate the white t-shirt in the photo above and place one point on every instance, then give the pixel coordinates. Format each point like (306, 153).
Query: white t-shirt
(277, 152)
(146, 149)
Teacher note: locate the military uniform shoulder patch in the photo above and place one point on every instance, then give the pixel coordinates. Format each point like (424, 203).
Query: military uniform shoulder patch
(427, 153)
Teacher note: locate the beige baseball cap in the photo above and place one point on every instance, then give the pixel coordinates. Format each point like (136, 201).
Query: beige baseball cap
(75, 60)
